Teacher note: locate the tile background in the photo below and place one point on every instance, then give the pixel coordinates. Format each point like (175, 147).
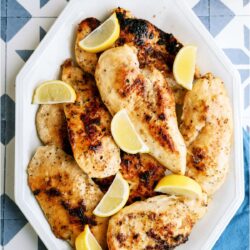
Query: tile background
(24, 23)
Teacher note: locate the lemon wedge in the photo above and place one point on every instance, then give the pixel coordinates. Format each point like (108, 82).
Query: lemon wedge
(102, 37)
(115, 198)
(179, 185)
(54, 91)
(125, 135)
(184, 66)
(87, 241)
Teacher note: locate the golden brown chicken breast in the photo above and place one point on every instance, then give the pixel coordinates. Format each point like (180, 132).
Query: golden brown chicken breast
(66, 195)
(154, 46)
(149, 101)
(88, 124)
(141, 171)
(52, 127)
(206, 126)
(161, 222)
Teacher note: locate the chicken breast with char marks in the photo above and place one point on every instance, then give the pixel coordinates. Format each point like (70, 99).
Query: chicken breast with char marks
(87, 61)
(52, 127)
(141, 171)
(66, 195)
(154, 46)
(149, 101)
(207, 128)
(88, 123)
(161, 222)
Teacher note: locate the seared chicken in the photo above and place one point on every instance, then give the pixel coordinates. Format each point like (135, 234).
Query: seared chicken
(207, 130)
(161, 222)
(66, 195)
(141, 171)
(149, 101)
(155, 47)
(88, 124)
(87, 61)
(52, 127)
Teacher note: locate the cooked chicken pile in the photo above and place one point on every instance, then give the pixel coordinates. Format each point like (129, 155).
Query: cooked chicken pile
(76, 165)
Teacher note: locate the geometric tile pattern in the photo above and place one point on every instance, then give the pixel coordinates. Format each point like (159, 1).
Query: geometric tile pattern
(24, 23)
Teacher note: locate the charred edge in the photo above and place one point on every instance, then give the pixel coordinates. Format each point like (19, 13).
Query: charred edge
(78, 212)
(95, 147)
(104, 183)
(121, 238)
(166, 139)
(147, 117)
(160, 243)
(91, 23)
(52, 192)
(36, 191)
(198, 155)
(161, 116)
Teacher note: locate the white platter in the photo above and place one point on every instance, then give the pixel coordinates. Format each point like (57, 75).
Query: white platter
(171, 16)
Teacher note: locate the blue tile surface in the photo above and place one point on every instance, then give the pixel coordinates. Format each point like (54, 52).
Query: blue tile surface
(42, 33)
(237, 56)
(205, 20)
(202, 8)
(43, 2)
(14, 25)
(218, 8)
(247, 37)
(24, 54)
(11, 228)
(15, 9)
(244, 74)
(11, 210)
(3, 28)
(218, 23)
(247, 96)
(41, 246)
(3, 8)
(7, 119)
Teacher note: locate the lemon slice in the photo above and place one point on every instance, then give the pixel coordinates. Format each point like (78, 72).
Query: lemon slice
(125, 135)
(115, 198)
(184, 66)
(54, 91)
(102, 37)
(179, 185)
(87, 241)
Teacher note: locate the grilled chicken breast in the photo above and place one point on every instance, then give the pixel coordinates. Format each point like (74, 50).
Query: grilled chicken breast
(141, 171)
(161, 222)
(149, 101)
(154, 46)
(206, 126)
(66, 195)
(52, 127)
(87, 61)
(88, 124)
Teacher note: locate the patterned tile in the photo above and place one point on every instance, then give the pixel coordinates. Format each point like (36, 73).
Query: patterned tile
(218, 23)
(205, 20)
(15, 9)
(11, 228)
(237, 56)
(41, 246)
(7, 119)
(244, 74)
(202, 8)
(25, 239)
(3, 28)
(218, 8)
(3, 4)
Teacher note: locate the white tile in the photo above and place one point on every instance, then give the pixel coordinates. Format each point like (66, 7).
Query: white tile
(26, 239)
(10, 169)
(51, 9)
(27, 39)
(237, 6)
(232, 36)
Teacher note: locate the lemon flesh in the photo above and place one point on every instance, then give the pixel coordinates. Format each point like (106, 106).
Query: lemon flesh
(87, 241)
(54, 91)
(125, 135)
(179, 185)
(184, 66)
(103, 37)
(115, 198)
